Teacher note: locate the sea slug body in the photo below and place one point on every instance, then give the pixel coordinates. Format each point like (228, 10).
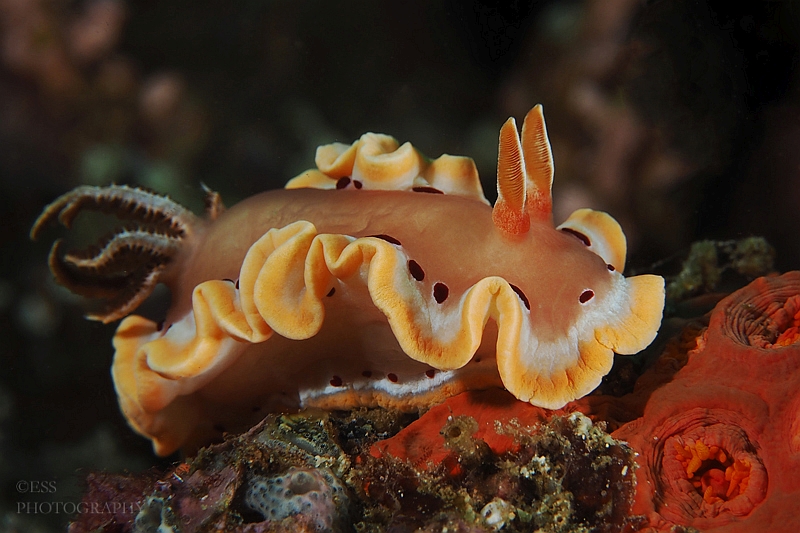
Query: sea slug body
(380, 278)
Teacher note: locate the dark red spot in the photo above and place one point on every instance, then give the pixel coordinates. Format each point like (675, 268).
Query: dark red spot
(367, 373)
(160, 326)
(387, 238)
(586, 295)
(416, 271)
(219, 427)
(237, 284)
(430, 373)
(392, 377)
(341, 183)
(583, 238)
(432, 190)
(477, 359)
(521, 296)
(336, 381)
(440, 292)
(611, 267)
(357, 184)
(331, 292)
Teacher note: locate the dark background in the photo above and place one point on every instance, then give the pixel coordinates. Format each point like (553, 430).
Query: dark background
(681, 118)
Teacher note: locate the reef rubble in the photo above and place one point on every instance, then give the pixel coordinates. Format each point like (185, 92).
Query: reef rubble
(290, 473)
(705, 440)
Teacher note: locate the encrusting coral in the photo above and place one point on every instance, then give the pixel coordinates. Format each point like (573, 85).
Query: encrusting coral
(718, 445)
(404, 285)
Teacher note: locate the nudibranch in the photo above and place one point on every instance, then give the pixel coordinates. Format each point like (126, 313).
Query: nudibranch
(402, 282)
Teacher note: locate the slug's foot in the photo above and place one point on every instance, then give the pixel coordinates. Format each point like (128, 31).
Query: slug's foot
(124, 267)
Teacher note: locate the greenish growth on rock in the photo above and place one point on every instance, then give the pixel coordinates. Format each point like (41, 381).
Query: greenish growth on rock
(358, 429)
(458, 435)
(568, 476)
(702, 271)
(581, 478)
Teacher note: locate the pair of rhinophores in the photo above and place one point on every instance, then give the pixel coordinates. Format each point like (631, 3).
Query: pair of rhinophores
(380, 278)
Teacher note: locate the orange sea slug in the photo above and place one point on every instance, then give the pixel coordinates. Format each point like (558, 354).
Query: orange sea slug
(404, 285)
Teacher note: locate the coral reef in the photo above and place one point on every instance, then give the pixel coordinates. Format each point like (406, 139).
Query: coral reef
(707, 440)
(290, 474)
(289, 465)
(464, 427)
(521, 467)
(718, 444)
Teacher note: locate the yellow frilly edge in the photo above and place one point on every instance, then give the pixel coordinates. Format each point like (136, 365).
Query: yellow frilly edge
(551, 374)
(605, 235)
(379, 162)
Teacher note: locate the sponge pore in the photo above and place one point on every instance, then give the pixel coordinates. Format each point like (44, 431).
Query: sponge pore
(315, 494)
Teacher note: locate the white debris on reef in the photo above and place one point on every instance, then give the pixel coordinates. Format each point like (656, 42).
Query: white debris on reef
(497, 513)
(155, 517)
